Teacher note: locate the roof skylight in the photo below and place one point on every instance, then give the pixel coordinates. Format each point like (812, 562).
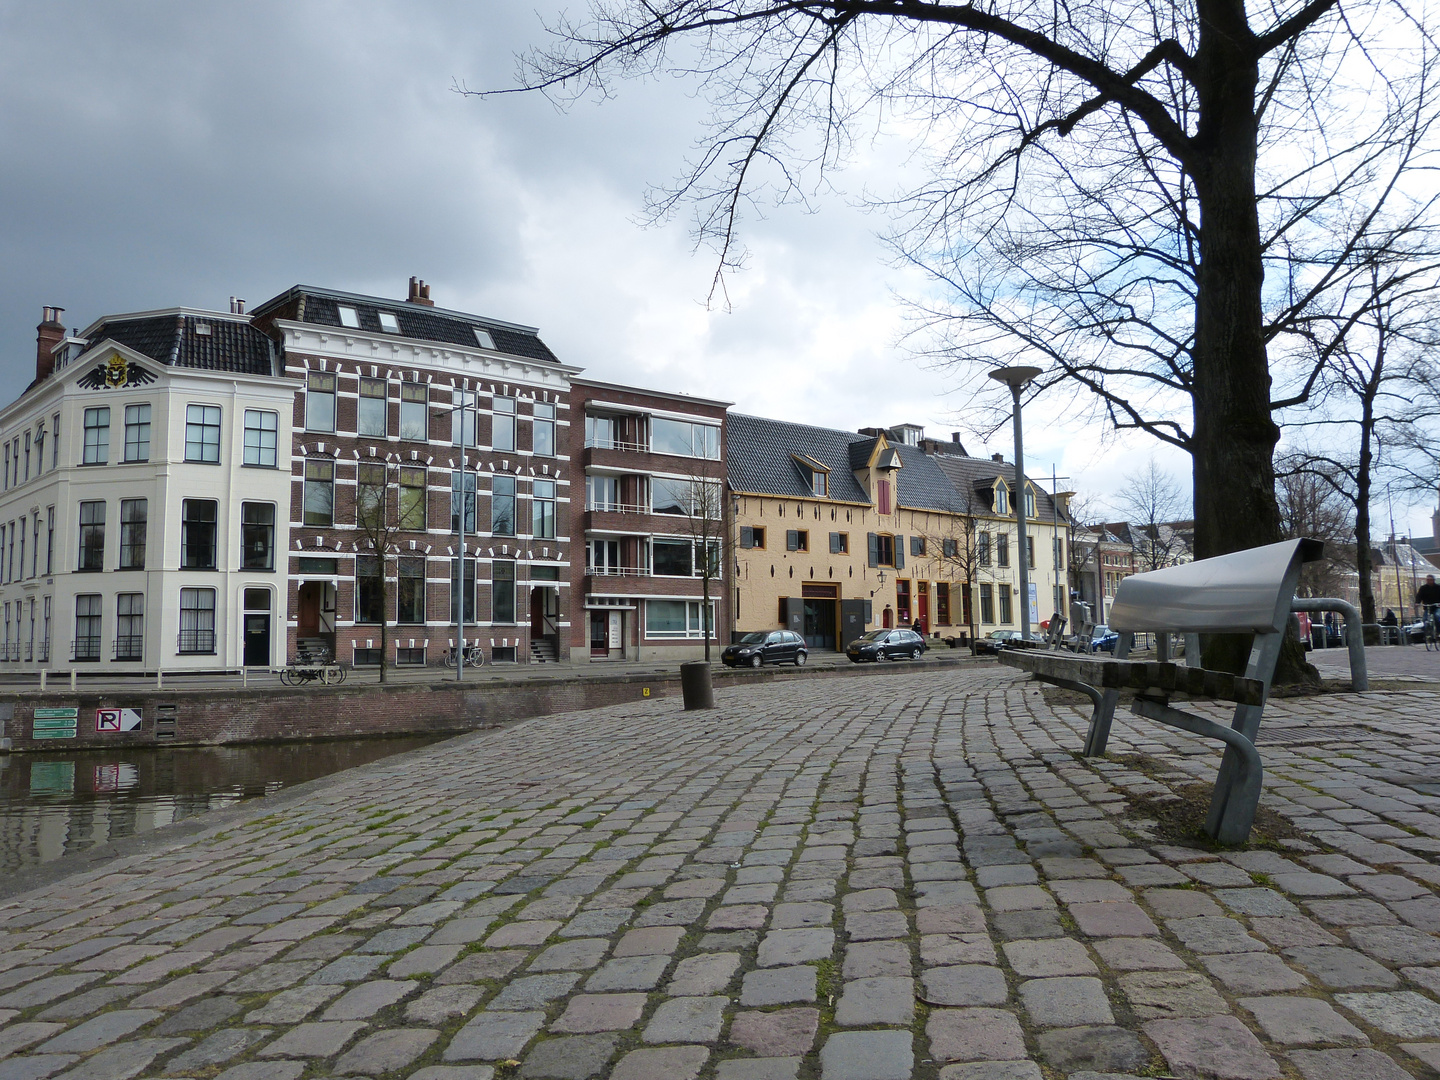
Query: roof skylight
(349, 317)
(389, 323)
(483, 338)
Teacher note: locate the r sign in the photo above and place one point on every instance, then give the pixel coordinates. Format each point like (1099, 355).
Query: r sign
(113, 720)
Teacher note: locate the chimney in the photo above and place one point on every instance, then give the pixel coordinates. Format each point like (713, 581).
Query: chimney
(419, 293)
(998, 457)
(237, 306)
(48, 334)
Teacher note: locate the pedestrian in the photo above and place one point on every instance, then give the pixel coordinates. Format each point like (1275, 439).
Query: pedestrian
(918, 628)
(1390, 619)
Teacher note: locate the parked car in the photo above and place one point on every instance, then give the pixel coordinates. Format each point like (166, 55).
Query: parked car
(886, 645)
(766, 647)
(996, 640)
(1103, 639)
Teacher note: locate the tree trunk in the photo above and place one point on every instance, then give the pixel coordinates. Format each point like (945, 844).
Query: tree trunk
(384, 622)
(705, 603)
(1363, 564)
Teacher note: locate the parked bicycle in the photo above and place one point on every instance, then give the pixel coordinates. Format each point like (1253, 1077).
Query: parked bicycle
(1432, 627)
(473, 656)
(313, 667)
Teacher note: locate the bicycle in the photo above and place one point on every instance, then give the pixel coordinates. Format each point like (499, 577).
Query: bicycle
(312, 668)
(473, 656)
(1432, 627)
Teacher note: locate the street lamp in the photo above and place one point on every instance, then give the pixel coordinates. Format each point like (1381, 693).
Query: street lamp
(468, 400)
(1017, 378)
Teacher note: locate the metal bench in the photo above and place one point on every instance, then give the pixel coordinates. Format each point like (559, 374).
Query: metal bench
(1247, 592)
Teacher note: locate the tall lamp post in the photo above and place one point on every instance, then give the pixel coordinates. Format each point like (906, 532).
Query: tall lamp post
(1017, 378)
(468, 401)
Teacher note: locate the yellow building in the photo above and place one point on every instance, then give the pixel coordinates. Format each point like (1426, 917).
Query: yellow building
(833, 533)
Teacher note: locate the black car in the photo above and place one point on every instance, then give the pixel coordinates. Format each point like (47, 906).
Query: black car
(886, 645)
(766, 647)
(996, 640)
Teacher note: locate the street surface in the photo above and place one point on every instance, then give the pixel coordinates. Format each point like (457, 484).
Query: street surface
(851, 879)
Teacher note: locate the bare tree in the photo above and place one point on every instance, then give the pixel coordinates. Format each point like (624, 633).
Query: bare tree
(705, 526)
(1313, 507)
(379, 519)
(1150, 499)
(953, 541)
(1074, 153)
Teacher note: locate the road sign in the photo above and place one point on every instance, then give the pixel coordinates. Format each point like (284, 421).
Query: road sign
(113, 720)
(55, 723)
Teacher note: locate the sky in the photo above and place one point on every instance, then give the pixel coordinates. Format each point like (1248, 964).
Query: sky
(160, 153)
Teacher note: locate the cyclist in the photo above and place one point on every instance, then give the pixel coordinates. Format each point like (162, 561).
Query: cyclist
(1427, 599)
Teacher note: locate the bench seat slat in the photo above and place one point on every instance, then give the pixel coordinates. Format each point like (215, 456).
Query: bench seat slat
(1110, 674)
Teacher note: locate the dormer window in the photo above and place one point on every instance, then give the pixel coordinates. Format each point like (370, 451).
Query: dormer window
(817, 476)
(1002, 499)
(202, 329)
(389, 323)
(483, 339)
(349, 317)
(1030, 503)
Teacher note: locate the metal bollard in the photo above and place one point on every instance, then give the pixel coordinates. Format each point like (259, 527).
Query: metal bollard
(72, 678)
(1354, 638)
(42, 678)
(159, 679)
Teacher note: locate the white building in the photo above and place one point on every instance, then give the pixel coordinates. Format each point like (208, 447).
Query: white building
(144, 505)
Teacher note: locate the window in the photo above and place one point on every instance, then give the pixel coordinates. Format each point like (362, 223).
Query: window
(987, 604)
(257, 536)
(462, 418)
(1029, 503)
(415, 412)
(884, 550)
(819, 484)
(197, 534)
(684, 439)
(35, 546)
(320, 401)
(797, 540)
(882, 496)
(542, 428)
(49, 539)
(369, 590)
(602, 493)
(411, 607)
(349, 317)
(22, 547)
(502, 435)
(752, 536)
(325, 567)
(917, 545)
(483, 339)
(950, 549)
(319, 493)
(1005, 612)
(600, 432)
(456, 479)
(87, 626)
(260, 437)
(370, 481)
(502, 591)
(469, 589)
(1002, 499)
(412, 498)
(677, 619)
(55, 440)
(1057, 550)
(542, 509)
(370, 415)
(669, 496)
(942, 603)
(1002, 549)
(672, 558)
(502, 506)
(202, 434)
(1030, 551)
(134, 516)
(92, 536)
(137, 432)
(97, 436)
(7, 466)
(982, 549)
(129, 626)
(839, 543)
(389, 323)
(27, 455)
(197, 621)
(40, 449)
(902, 601)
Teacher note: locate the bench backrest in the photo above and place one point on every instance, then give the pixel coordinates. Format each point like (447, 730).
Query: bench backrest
(1243, 592)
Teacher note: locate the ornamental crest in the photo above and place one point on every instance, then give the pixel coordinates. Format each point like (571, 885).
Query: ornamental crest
(115, 374)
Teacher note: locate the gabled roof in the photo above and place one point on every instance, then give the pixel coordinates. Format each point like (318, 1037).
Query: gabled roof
(922, 484)
(210, 341)
(320, 307)
(759, 461)
(969, 474)
(860, 451)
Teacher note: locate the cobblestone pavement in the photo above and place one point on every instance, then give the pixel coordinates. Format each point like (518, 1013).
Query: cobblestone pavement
(1382, 662)
(859, 880)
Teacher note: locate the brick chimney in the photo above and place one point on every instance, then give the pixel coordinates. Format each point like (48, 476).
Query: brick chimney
(998, 457)
(48, 334)
(419, 293)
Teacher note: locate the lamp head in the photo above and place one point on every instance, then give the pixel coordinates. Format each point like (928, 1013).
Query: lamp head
(1015, 377)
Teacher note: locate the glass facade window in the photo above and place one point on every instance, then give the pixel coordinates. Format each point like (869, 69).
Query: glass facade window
(257, 536)
(677, 619)
(129, 626)
(197, 534)
(502, 506)
(319, 493)
(261, 435)
(411, 607)
(502, 591)
(668, 496)
(415, 412)
(87, 626)
(542, 509)
(137, 432)
(684, 439)
(542, 440)
(502, 431)
(412, 498)
(369, 590)
(370, 418)
(92, 536)
(672, 558)
(134, 518)
(202, 434)
(197, 621)
(97, 436)
(456, 479)
(320, 401)
(600, 432)
(602, 493)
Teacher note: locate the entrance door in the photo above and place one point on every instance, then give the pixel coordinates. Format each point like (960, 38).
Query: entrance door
(599, 633)
(308, 616)
(922, 605)
(852, 620)
(820, 624)
(257, 639)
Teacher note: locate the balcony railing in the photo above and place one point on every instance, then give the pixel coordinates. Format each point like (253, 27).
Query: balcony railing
(85, 648)
(617, 571)
(30, 650)
(617, 444)
(129, 646)
(43, 652)
(196, 641)
(618, 508)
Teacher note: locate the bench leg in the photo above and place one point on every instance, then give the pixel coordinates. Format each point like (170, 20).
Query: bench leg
(1237, 786)
(1099, 733)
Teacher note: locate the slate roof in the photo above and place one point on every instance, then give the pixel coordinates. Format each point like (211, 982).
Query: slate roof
(966, 473)
(170, 338)
(320, 307)
(922, 484)
(758, 461)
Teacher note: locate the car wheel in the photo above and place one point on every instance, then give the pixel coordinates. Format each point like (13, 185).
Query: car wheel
(755, 661)
(914, 654)
(799, 659)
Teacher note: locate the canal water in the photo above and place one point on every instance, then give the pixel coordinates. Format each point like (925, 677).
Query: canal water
(55, 803)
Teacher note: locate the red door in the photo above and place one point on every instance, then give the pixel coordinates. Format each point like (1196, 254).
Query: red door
(923, 608)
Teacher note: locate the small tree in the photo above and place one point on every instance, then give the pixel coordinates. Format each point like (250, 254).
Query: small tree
(1149, 499)
(1312, 506)
(378, 519)
(705, 526)
(955, 544)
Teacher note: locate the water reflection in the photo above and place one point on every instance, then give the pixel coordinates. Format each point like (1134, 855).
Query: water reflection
(55, 803)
